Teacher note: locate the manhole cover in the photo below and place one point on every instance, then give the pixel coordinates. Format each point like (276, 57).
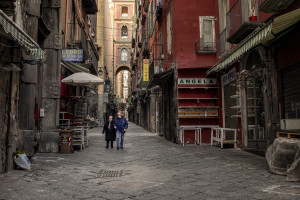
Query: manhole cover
(109, 173)
(282, 189)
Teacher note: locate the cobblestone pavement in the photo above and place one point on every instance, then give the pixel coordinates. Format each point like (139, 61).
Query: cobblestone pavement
(149, 167)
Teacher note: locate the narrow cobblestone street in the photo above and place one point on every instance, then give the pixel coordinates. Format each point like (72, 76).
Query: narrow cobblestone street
(148, 167)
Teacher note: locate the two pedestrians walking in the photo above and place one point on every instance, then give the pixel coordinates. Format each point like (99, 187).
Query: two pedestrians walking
(115, 129)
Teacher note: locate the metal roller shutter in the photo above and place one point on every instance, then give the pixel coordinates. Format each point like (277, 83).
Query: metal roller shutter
(291, 91)
(229, 90)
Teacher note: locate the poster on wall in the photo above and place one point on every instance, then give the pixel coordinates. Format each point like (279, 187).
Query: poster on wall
(145, 70)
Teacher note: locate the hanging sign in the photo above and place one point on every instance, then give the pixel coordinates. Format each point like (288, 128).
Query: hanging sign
(230, 76)
(72, 55)
(197, 81)
(146, 70)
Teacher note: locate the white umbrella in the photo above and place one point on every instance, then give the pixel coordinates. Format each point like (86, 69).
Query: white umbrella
(82, 78)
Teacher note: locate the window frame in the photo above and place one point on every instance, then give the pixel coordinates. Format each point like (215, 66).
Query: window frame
(169, 32)
(124, 37)
(122, 56)
(126, 14)
(201, 27)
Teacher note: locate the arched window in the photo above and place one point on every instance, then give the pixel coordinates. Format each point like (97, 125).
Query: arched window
(124, 32)
(124, 55)
(124, 11)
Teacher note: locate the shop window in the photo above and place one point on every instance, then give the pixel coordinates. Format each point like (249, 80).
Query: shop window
(207, 33)
(124, 32)
(124, 11)
(124, 55)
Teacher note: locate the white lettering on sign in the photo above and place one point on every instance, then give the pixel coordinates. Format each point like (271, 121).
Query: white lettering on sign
(197, 81)
(226, 78)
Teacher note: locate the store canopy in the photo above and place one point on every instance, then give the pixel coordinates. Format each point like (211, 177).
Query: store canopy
(83, 79)
(160, 78)
(17, 34)
(74, 67)
(261, 35)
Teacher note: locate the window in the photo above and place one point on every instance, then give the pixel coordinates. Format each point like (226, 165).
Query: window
(124, 11)
(207, 33)
(124, 32)
(124, 55)
(169, 32)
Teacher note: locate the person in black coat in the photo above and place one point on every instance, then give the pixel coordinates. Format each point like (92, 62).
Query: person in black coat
(110, 132)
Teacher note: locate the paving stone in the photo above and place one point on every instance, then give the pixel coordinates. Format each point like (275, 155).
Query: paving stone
(152, 168)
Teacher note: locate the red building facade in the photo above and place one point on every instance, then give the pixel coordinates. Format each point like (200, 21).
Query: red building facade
(180, 41)
(257, 93)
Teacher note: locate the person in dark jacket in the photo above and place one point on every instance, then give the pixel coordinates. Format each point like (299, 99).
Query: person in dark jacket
(121, 126)
(110, 132)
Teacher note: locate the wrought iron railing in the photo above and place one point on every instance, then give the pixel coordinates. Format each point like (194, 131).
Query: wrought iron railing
(261, 2)
(223, 44)
(234, 17)
(205, 47)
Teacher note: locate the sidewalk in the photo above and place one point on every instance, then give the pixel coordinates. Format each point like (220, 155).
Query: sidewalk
(148, 168)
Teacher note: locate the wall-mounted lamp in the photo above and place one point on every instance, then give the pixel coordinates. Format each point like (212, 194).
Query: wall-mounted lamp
(100, 71)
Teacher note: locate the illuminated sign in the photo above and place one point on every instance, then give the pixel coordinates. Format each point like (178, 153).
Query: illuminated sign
(197, 81)
(146, 70)
(72, 55)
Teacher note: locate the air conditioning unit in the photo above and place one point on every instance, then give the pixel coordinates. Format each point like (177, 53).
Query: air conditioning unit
(290, 124)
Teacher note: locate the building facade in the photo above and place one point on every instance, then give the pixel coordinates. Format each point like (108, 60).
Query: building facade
(173, 46)
(30, 67)
(257, 69)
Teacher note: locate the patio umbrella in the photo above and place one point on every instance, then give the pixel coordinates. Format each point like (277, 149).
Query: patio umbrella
(82, 78)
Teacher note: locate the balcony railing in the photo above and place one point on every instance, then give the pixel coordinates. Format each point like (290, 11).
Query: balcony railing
(202, 47)
(270, 6)
(223, 44)
(238, 29)
(234, 17)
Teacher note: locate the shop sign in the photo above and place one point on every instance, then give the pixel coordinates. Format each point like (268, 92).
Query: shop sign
(197, 81)
(231, 75)
(146, 70)
(72, 55)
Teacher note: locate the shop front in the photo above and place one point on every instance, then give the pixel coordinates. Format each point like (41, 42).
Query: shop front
(259, 82)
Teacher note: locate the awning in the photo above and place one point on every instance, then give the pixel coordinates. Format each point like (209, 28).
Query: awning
(261, 35)
(160, 78)
(74, 67)
(20, 36)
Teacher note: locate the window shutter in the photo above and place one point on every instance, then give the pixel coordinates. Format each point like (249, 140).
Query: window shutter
(207, 33)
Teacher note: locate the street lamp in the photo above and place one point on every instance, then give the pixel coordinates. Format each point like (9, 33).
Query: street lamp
(100, 71)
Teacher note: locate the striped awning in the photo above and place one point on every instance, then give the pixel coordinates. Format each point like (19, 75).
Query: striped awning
(261, 35)
(20, 36)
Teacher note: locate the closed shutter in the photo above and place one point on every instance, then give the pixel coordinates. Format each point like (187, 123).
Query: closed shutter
(291, 91)
(230, 90)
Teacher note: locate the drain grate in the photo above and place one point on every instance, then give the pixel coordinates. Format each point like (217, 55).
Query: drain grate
(109, 173)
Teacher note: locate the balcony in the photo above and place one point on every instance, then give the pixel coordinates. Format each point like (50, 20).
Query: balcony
(202, 47)
(239, 28)
(223, 45)
(90, 6)
(271, 6)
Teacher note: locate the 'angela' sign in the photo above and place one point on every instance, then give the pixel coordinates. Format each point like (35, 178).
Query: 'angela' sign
(197, 81)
